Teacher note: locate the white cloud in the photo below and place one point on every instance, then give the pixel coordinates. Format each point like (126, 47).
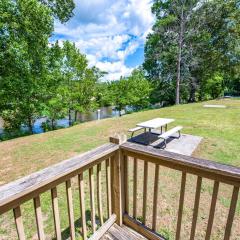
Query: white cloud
(108, 31)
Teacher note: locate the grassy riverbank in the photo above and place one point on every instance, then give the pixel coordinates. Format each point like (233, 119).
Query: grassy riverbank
(219, 128)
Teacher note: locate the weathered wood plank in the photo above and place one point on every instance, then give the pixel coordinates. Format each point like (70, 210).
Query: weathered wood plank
(56, 213)
(155, 198)
(145, 184)
(126, 182)
(140, 228)
(231, 213)
(99, 193)
(24, 189)
(212, 210)
(108, 182)
(135, 181)
(196, 207)
(70, 208)
(180, 208)
(92, 199)
(104, 228)
(204, 168)
(19, 223)
(117, 187)
(39, 219)
(82, 205)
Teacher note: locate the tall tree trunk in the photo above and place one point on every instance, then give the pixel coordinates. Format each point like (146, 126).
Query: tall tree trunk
(69, 117)
(52, 123)
(75, 116)
(30, 125)
(179, 59)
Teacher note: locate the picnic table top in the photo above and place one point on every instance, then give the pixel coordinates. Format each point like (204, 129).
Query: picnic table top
(155, 123)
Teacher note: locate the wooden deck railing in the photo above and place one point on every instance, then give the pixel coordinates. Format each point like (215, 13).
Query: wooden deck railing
(186, 165)
(14, 194)
(117, 156)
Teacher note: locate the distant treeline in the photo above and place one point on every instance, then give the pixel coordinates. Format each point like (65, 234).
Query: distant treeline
(42, 79)
(192, 54)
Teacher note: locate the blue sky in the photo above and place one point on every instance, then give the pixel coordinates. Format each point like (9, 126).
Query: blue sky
(111, 33)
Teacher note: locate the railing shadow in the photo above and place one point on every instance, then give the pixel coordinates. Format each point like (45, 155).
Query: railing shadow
(78, 226)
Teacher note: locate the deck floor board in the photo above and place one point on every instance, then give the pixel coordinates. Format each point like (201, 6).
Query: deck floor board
(122, 233)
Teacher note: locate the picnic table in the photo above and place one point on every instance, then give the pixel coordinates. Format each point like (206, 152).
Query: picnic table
(156, 123)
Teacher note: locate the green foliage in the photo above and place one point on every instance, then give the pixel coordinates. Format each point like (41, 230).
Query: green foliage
(202, 38)
(131, 91)
(214, 86)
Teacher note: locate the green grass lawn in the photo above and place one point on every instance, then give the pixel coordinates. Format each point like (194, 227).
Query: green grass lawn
(219, 128)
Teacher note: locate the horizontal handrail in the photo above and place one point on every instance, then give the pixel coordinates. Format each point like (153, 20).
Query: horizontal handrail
(205, 168)
(26, 188)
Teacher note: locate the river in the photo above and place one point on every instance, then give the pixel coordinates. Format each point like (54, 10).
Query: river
(105, 112)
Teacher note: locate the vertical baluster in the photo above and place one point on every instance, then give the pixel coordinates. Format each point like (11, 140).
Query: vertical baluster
(145, 181)
(180, 208)
(39, 220)
(70, 208)
(92, 201)
(196, 207)
(126, 179)
(155, 198)
(82, 205)
(56, 213)
(108, 180)
(19, 223)
(99, 193)
(135, 180)
(231, 213)
(212, 210)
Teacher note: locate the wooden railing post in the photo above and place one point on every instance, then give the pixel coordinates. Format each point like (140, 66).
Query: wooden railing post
(117, 166)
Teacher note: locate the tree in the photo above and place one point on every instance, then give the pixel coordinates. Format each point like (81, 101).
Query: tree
(79, 80)
(167, 46)
(187, 38)
(131, 91)
(25, 28)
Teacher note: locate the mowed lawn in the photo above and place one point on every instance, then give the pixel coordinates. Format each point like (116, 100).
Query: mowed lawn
(220, 129)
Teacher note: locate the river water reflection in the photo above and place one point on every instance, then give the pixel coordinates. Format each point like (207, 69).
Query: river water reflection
(105, 112)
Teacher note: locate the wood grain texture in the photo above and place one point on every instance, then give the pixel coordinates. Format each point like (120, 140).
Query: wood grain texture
(39, 219)
(56, 216)
(231, 213)
(99, 193)
(204, 168)
(196, 207)
(70, 209)
(212, 210)
(104, 228)
(116, 173)
(92, 199)
(109, 192)
(126, 184)
(82, 206)
(135, 181)
(141, 229)
(155, 198)
(180, 208)
(19, 223)
(26, 188)
(145, 184)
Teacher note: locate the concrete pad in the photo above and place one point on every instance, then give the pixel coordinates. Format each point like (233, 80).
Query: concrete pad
(185, 145)
(214, 106)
